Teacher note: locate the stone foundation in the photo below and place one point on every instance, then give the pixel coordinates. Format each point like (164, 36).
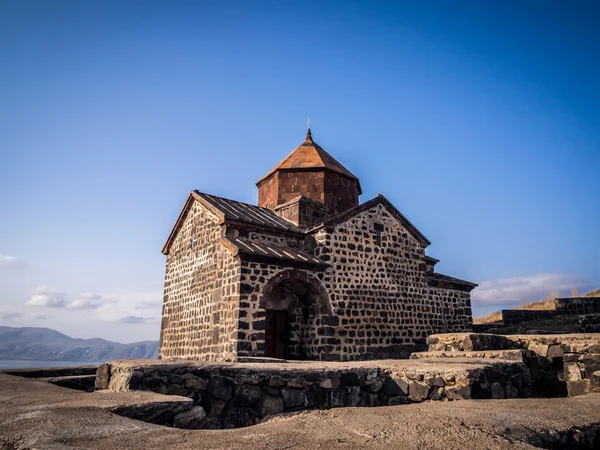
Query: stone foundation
(235, 395)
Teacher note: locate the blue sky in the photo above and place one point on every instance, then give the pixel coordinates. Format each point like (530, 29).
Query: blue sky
(480, 121)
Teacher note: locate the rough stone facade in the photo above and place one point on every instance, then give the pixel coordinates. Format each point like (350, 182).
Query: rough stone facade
(200, 305)
(303, 280)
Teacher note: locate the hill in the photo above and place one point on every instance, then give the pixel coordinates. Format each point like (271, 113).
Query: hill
(45, 344)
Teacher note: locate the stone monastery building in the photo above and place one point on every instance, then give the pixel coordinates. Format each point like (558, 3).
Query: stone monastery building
(309, 273)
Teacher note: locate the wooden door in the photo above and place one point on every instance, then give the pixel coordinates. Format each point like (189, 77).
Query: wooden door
(275, 334)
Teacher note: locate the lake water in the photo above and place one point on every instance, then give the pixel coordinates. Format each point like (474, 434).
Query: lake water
(8, 364)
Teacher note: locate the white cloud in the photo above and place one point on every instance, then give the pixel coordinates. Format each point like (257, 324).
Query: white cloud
(125, 304)
(10, 316)
(87, 300)
(11, 262)
(48, 297)
(513, 291)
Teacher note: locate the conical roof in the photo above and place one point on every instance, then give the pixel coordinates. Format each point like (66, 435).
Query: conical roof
(309, 155)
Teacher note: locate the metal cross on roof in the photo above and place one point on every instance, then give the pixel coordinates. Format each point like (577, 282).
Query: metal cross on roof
(308, 123)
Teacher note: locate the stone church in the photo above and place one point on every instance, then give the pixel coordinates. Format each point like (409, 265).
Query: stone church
(309, 273)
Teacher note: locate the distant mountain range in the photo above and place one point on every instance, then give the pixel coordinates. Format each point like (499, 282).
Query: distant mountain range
(44, 344)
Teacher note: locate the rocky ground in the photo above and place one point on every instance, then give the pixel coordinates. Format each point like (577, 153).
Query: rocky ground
(37, 414)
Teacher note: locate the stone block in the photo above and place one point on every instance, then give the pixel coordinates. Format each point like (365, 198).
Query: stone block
(102, 377)
(271, 405)
(292, 397)
(191, 420)
(417, 391)
(555, 351)
(315, 396)
(353, 396)
(298, 382)
(220, 387)
(247, 395)
(195, 383)
(435, 381)
(576, 388)
(458, 392)
(276, 381)
(395, 386)
(572, 372)
(510, 391)
(437, 393)
(591, 364)
(497, 390)
(374, 385)
(329, 384)
(335, 398)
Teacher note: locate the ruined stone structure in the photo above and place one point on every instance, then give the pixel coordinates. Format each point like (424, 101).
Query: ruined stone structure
(309, 273)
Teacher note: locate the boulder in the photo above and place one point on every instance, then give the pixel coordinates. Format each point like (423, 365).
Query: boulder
(191, 420)
(417, 391)
(458, 393)
(271, 405)
(220, 387)
(102, 376)
(395, 386)
(292, 397)
(247, 395)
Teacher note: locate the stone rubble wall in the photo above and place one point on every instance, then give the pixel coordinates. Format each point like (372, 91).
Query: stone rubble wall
(575, 357)
(201, 297)
(233, 397)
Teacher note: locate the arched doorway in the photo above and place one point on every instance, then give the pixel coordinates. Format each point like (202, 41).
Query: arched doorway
(295, 304)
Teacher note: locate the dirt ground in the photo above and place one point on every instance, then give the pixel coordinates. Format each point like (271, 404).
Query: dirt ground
(36, 414)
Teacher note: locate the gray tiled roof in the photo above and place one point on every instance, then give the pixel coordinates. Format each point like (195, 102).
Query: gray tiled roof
(243, 212)
(284, 253)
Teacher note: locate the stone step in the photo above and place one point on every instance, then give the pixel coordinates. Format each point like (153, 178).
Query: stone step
(507, 355)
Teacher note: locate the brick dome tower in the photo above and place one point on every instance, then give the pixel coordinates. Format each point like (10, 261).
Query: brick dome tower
(312, 173)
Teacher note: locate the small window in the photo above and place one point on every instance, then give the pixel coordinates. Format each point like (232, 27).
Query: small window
(193, 241)
(378, 230)
(339, 206)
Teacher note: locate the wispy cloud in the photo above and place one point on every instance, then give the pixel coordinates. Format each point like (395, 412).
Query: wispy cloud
(42, 317)
(88, 300)
(513, 291)
(47, 297)
(136, 319)
(11, 316)
(8, 262)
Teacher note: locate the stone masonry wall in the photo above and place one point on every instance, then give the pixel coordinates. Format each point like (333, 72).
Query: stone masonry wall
(379, 291)
(201, 297)
(454, 309)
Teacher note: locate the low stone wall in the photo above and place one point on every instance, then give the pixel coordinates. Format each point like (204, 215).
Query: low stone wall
(570, 306)
(589, 323)
(575, 358)
(237, 395)
(517, 316)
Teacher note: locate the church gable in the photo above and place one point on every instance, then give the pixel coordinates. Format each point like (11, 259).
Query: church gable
(378, 205)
